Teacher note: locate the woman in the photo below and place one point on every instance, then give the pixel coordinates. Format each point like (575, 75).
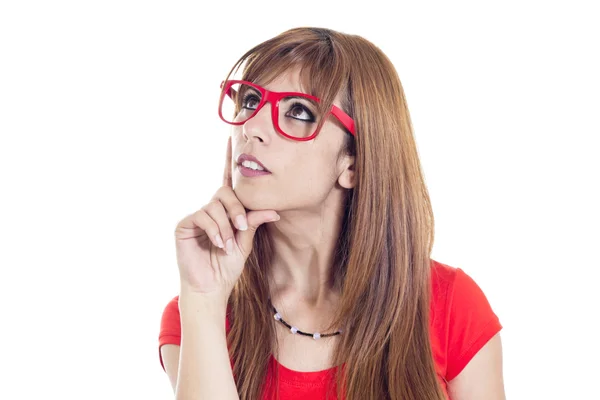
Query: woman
(308, 275)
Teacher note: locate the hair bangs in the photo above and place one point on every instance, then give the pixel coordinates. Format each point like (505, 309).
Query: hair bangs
(322, 70)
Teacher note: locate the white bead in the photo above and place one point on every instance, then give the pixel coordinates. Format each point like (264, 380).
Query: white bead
(277, 317)
(316, 335)
(294, 329)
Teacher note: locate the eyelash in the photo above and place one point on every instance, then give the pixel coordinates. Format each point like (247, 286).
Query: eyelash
(311, 115)
(248, 96)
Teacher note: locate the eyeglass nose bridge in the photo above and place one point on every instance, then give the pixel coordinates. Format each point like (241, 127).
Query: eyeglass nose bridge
(274, 102)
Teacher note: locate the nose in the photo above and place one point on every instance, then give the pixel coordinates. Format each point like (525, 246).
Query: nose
(260, 125)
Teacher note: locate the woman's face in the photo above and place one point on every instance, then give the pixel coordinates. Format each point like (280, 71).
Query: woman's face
(302, 174)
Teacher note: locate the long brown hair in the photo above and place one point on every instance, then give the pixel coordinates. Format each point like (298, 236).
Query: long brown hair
(382, 264)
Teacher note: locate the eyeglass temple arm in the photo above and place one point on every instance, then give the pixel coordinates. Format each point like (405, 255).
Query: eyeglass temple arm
(344, 118)
(228, 90)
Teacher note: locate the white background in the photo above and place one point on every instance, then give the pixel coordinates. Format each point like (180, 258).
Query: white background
(109, 136)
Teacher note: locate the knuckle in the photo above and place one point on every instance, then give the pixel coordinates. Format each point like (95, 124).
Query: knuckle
(238, 209)
(224, 189)
(198, 213)
(181, 222)
(197, 217)
(219, 193)
(211, 227)
(226, 192)
(212, 205)
(231, 201)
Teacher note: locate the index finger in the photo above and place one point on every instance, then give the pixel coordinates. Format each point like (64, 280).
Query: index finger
(227, 170)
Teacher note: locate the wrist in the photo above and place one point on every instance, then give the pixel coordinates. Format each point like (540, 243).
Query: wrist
(203, 305)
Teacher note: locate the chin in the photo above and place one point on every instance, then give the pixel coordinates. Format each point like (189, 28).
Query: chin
(254, 199)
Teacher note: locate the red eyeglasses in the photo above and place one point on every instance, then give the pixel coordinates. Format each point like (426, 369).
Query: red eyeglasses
(295, 115)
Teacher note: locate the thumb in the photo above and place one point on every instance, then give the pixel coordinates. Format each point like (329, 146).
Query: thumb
(245, 239)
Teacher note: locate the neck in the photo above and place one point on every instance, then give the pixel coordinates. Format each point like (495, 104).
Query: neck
(304, 244)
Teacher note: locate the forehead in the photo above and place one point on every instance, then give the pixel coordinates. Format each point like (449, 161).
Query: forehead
(287, 76)
(289, 81)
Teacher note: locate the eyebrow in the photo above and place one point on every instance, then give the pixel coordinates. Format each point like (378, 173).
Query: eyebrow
(250, 88)
(300, 97)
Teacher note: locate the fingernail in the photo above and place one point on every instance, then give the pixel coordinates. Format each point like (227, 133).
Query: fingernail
(241, 222)
(219, 241)
(229, 247)
(277, 218)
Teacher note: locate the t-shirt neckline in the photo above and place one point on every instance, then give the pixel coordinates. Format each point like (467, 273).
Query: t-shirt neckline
(306, 378)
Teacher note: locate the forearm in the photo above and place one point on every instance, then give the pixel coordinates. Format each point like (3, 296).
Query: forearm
(204, 365)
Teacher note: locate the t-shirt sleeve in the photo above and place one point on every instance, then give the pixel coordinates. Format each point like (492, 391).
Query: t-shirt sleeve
(472, 323)
(170, 327)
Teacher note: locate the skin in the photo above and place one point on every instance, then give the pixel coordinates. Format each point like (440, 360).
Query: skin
(313, 180)
(482, 378)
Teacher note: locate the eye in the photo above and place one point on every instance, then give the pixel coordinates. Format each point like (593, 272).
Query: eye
(250, 101)
(300, 112)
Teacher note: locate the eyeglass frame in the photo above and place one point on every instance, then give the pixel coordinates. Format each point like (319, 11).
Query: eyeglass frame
(274, 98)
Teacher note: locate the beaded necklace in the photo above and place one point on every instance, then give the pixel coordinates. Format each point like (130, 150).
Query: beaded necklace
(295, 330)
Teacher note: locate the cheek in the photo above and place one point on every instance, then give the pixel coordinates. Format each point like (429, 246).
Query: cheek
(311, 178)
(236, 135)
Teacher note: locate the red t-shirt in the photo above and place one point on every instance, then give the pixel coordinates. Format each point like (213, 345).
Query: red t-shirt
(462, 321)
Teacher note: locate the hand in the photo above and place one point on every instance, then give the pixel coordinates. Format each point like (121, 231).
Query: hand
(211, 249)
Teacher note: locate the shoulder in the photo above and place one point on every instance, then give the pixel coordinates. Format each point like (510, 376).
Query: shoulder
(462, 318)
(443, 278)
(453, 287)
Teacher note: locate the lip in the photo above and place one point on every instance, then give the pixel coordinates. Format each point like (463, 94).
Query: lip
(247, 157)
(249, 172)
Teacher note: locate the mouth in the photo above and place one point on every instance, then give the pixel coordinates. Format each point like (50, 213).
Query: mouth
(250, 172)
(250, 162)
